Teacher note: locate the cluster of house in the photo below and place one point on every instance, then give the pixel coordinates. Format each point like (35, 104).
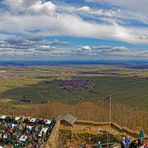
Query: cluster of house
(24, 131)
(73, 84)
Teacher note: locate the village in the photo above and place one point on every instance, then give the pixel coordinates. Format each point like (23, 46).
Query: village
(73, 84)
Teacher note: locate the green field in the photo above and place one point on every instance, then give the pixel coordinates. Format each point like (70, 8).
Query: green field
(125, 85)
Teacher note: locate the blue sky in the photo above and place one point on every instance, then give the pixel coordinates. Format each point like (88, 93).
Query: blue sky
(73, 29)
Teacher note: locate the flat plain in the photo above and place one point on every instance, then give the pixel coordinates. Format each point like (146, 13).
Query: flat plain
(37, 84)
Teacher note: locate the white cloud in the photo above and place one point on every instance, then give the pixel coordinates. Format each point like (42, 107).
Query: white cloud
(42, 8)
(84, 9)
(71, 25)
(31, 6)
(85, 48)
(58, 42)
(137, 8)
(111, 51)
(31, 46)
(40, 48)
(55, 20)
(96, 12)
(139, 5)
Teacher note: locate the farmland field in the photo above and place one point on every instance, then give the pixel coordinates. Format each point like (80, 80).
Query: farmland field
(37, 84)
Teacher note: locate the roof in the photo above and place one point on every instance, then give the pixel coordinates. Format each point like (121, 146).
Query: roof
(69, 118)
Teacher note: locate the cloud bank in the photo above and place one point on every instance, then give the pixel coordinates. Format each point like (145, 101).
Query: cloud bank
(21, 21)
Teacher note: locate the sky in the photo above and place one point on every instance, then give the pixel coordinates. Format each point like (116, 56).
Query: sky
(73, 29)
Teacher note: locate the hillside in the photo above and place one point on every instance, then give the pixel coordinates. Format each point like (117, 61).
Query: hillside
(98, 111)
